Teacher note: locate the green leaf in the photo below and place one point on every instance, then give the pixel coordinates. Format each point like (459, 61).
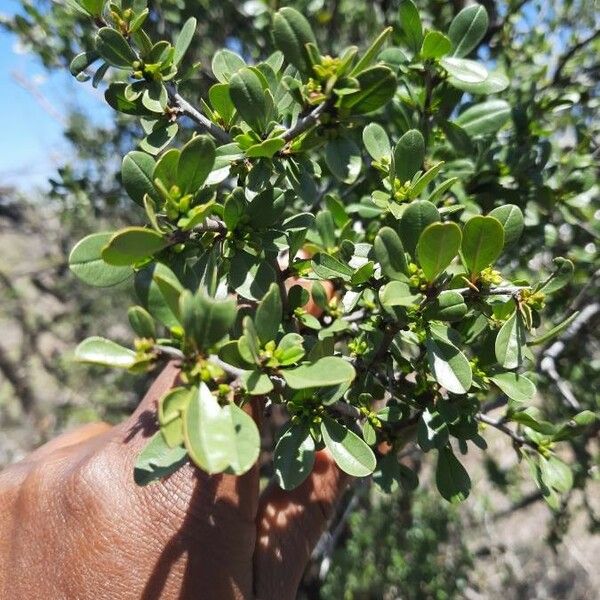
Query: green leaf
(157, 460)
(552, 333)
(493, 84)
(226, 63)
(93, 7)
(437, 246)
(452, 479)
(390, 474)
(397, 293)
(268, 315)
(329, 267)
(329, 370)
(556, 474)
(255, 382)
(376, 141)
(141, 322)
(266, 149)
(448, 365)
(485, 118)
(249, 99)
(293, 457)
(195, 163)
(510, 342)
(343, 158)
(350, 453)
(208, 432)
(250, 276)
(511, 218)
(560, 277)
(377, 87)
(245, 448)
(482, 243)
(435, 45)
(100, 351)
(417, 216)
(184, 39)
(468, 28)
(290, 349)
(291, 33)
(447, 306)
(409, 154)
(206, 320)
(464, 71)
(131, 245)
(136, 174)
(371, 52)
(410, 21)
(81, 62)
(517, 387)
(151, 295)
(86, 262)
(114, 49)
(171, 408)
(389, 253)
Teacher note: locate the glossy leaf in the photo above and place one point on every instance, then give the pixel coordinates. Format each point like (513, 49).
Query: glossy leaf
(136, 174)
(141, 322)
(184, 39)
(114, 49)
(245, 437)
(268, 315)
(448, 365)
(517, 387)
(207, 432)
(485, 118)
(86, 262)
(511, 218)
(157, 460)
(389, 252)
(482, 242)
(291, 33)
(351, 454)
(417, 216)
(435, 45)
(131, 245)
(447, 306)
(100, 351)
(226, 63)
(468, 28)
(510, 342)
(452, 479)
(249, 99)
(410, 22)
(330, 370)
(195, 163)
(343, 158)
(376, 141)
(293, 457)
(437, 246)
(409, 154)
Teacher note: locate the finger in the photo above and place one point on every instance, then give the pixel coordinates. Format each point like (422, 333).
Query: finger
(289, 525)
(70, 438)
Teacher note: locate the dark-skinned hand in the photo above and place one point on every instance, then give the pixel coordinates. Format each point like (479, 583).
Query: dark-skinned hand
(75, 526)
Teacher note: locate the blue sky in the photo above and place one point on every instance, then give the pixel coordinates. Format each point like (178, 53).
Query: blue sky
(31, 143)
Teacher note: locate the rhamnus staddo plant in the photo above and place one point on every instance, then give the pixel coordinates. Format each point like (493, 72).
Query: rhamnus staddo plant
(309, 241)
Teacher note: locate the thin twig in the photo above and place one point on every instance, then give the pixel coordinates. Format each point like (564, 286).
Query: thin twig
(565, 58)
(187, 109)
(519, 440)
(305, 123)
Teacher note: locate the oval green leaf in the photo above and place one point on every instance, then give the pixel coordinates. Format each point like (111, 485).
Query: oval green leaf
(482, 243)
(437, 246)
(351, 454)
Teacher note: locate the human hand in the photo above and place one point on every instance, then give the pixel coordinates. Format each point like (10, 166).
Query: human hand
(74, 525)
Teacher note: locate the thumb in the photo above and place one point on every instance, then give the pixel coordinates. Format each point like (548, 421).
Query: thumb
(289, 525)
